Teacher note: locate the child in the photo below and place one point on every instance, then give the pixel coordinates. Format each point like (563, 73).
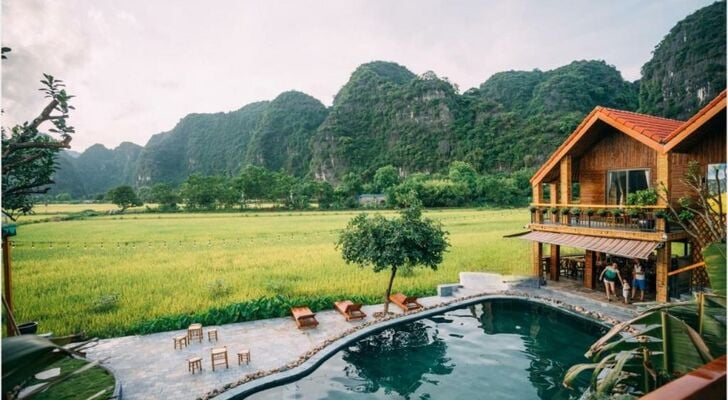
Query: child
(625, 291)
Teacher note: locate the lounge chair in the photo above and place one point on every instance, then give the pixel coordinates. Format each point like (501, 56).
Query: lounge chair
(304, 317)
(349, 310)
(404, 302)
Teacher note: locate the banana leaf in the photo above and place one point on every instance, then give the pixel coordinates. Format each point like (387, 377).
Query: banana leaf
(575, 371)
(616, 373)
(715, 265)
(24, 356)
(686, 350)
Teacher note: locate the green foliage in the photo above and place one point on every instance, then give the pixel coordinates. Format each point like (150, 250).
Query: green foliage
(687, 69)
(164, 195)
(385, 178)
(646, 197)
(207, 192)
(24, 356)
(382, 243)
(124, 197)
(715, 263)
(28, 155)
(645, 352)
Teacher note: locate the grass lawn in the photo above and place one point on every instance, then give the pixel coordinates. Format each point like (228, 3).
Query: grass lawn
(171, 264)
(82, 386)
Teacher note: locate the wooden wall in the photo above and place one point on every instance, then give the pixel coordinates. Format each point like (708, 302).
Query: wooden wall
(614, 151)
(708, 148)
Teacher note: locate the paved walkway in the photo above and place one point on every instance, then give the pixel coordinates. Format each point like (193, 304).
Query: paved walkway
(149, 368)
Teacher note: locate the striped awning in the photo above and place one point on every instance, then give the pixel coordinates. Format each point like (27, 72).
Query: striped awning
(621, 247)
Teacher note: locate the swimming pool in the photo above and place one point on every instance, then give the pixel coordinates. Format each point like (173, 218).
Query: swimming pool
(496, 349)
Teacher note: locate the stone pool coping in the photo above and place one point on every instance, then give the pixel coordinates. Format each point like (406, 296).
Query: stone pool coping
(306, 364)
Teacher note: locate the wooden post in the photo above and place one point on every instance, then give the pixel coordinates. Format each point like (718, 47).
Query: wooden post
(537, 193)
(662, 267)
(565, 180)
(8, 286)
(590, 264)
(536, 258)
(553, 193)
(662, 175)
(555, 260)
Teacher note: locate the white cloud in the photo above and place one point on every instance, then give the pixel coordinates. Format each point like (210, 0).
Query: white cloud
(138, 66)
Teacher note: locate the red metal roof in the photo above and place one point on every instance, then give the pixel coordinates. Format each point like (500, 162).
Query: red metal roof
(621, 247)
(655, 128)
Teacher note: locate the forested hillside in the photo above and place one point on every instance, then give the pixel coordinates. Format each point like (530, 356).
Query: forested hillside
(387, 115)
(688, 67)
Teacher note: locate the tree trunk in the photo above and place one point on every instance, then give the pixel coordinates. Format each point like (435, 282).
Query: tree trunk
(389, 291)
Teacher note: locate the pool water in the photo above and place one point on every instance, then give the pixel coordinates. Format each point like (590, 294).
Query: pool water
(500, 349)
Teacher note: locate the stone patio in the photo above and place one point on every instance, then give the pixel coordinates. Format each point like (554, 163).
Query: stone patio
(150, 368)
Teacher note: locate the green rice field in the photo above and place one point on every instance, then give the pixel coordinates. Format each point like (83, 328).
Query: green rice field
(107, 274)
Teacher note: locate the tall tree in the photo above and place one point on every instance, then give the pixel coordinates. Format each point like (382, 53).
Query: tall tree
(28, 155)
(124, 197)
(405, 242)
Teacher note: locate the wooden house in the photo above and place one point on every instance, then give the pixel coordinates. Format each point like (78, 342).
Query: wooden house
(610, 155)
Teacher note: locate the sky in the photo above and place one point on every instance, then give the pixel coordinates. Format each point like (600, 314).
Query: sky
(137, 67)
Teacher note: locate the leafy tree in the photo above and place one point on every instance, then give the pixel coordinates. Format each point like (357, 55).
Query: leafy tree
(385, 178)
(464, 173)
(405, 242)
(324, 195)
(145, 194)
(28, 154)
(164, 195)
(124, 197)
(200, 192)
(254, 183)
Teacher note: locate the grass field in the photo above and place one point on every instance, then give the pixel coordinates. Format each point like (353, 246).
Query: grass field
(171, 264)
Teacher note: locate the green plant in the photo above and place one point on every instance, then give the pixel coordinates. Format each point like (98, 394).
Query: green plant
(633, 212)
(106, 302)
(554, 210)
(532, 209)
(662, 214)
(602, 212)
(646, 197)
(590, 212)
(575, 211)
(616, 212)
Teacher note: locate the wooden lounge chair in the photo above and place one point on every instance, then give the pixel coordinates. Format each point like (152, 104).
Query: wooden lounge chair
(349, 310)
(404, 302)
(304, 317)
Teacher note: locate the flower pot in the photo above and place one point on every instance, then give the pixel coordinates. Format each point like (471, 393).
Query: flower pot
(28, 328)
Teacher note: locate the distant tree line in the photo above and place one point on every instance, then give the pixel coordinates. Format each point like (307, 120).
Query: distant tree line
(459, 186)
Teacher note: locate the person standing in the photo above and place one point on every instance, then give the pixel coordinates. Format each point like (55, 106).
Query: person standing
(638, 280)
(610, 274)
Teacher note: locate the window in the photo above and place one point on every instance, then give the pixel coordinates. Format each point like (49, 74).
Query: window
(621, 183)
(716, 171)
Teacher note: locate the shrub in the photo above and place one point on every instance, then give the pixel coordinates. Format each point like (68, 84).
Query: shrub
(554, 210)
(601, 212)
(616, 212)
(106, 302)
(647, 197)
(533, 209)
(575, 211)
(633, 212)
(589, 212)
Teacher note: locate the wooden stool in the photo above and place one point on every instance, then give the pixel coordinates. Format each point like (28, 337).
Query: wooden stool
(180, 341)
(211, 333)
(219, 356)
(194, 332)
(194, 364)
(244, 356)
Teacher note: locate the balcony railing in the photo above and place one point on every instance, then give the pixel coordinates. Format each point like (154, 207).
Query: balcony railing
(630, 218)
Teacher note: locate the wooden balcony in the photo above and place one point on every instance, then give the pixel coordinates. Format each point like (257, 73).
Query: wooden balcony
(628, 222)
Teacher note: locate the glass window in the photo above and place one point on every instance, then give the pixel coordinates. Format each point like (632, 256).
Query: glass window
(622, 183)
